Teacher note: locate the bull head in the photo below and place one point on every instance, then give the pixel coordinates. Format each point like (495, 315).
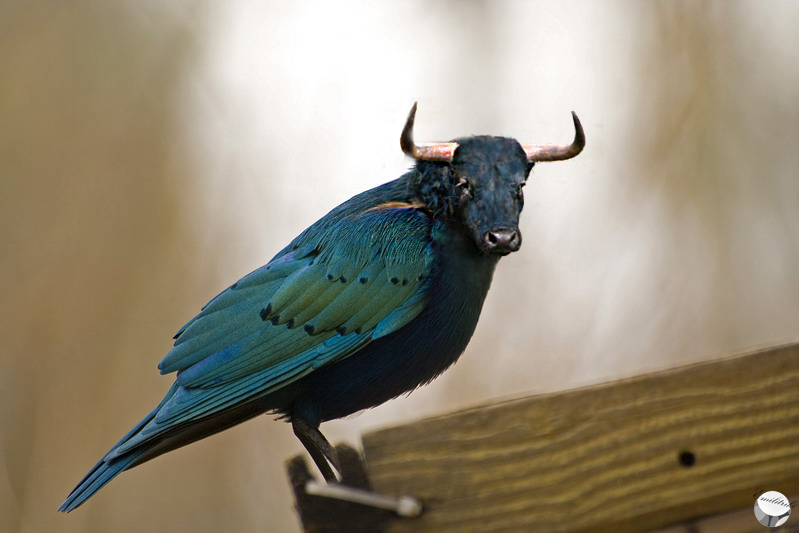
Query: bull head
(478, 181)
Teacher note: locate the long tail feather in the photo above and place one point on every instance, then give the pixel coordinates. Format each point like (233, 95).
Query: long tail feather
(112, 464)
(104, 471)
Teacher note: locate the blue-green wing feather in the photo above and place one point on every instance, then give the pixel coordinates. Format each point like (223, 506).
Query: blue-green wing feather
(337, 287)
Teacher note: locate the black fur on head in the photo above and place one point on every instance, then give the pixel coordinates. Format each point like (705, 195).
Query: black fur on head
(481, 189)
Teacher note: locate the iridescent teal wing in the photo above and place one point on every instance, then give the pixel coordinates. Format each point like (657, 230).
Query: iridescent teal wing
(337, 287)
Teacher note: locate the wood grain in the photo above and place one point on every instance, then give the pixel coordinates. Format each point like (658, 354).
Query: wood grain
(604, 458)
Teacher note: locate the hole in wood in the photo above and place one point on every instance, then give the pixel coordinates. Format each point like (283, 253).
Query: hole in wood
(687, 459)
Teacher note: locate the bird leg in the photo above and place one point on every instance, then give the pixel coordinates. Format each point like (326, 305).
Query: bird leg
(319, 449)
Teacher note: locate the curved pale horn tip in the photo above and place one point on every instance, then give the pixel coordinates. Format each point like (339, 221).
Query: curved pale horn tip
(579, 134)
(555, 152)
(406, 139)
(424, 151)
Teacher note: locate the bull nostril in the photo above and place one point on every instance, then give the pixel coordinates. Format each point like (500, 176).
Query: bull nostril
(502, 240)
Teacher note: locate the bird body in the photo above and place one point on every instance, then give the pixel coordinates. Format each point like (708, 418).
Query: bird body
(376, 298)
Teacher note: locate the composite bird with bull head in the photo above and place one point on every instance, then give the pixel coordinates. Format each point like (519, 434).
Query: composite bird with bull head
(378, 297)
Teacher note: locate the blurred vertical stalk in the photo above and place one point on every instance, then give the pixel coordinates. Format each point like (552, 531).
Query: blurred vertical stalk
(89, 216)
(716, 132)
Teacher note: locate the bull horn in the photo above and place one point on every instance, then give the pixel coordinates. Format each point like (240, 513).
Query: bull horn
(425, 151)
(557, 152)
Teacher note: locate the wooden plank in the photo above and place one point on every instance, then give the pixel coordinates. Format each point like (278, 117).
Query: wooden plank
(614, 457)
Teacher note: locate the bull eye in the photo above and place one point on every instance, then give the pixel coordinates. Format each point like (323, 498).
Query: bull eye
(519, 193)
(463, 188)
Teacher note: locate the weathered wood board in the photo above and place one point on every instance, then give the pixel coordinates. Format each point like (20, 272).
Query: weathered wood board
(633, 455)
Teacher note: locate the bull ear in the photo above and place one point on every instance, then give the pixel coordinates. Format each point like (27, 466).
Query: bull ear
(433, 184)
(426, 151)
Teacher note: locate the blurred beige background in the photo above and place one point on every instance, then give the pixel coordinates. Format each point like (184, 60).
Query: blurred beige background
(151, 153)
